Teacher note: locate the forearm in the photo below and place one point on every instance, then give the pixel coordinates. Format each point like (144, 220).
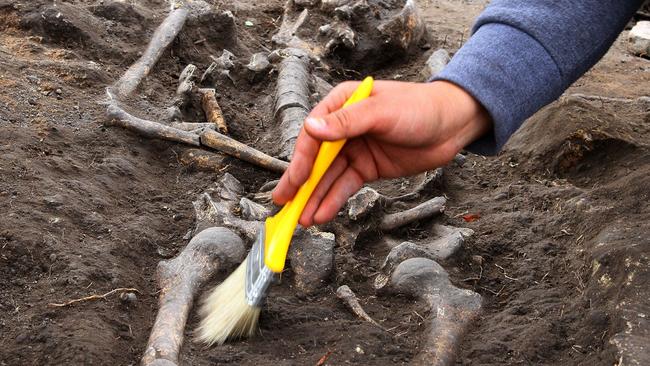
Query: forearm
(524, 54)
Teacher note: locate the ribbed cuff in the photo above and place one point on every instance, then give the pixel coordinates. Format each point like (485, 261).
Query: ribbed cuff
(509, 73)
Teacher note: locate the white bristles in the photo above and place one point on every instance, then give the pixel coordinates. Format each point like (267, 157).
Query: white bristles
(226, 313)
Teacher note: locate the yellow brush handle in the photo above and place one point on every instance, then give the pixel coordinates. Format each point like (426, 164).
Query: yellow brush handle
(279, 228)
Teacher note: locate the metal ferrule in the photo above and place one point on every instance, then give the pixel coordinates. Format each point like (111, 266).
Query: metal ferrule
(258, 276)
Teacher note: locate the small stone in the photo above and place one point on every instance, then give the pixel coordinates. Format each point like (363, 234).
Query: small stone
(31, 101)
(128, 297)
(312, 259)
(460, 159)
(53, 201)
(252, 211)
(259, 63)
(248, 23)
(478, 259)
(329, 5)
(359, 350)
(165, 252)
(639, 39)
(58, 91)
(177, 217)
(363, 203)
(173, 113)
(188, 235)
(21, 338)
(52, 257)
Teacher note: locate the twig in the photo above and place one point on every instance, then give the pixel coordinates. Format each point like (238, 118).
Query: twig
(93, 297)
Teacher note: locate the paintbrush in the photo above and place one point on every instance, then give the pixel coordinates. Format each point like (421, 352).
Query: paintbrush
(232, 309)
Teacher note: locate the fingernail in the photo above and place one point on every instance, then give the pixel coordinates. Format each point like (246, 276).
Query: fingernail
(316, 123)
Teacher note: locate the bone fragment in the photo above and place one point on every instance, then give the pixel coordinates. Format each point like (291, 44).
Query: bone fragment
(202, 160)
(162, 38)
(252, 211)
(350, 299)
(311, 255)
(185, 84)
(179, 280)
(212, 110)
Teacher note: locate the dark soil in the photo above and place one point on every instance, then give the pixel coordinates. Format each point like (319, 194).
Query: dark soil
(560, 252)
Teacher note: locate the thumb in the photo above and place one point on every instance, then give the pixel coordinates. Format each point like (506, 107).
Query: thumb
(351, 121)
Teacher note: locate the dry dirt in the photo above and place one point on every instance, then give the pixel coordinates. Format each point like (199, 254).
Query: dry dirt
(560, 253)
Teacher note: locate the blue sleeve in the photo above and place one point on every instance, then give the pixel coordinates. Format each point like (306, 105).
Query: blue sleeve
(524, 54)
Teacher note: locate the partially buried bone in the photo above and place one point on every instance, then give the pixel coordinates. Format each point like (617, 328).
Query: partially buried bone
(447, 241)
(179, 280)
(452, 309)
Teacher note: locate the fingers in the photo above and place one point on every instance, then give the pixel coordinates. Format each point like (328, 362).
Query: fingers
(335, 99)
(333, 173)
(299, 169)
(345, 186)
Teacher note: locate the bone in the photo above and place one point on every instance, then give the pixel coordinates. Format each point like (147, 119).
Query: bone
(193, 126)
(330, 5)
(340, 35)
(287, 34)
(405, 29)
(216, 207)
(312, 259)
(448, 240)
(118, 117)
(202, 160)
(179, 280)
(221, 66)
(350, 299)
(212, 110)
(422, 211)
(292, 97)
(453, 309)
(241, 151)
(162, 38)
(185, 85)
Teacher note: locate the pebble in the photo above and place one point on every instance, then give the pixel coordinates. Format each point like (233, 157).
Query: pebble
(128, 297)
(434, 64)
(312, 259)
(639, 38)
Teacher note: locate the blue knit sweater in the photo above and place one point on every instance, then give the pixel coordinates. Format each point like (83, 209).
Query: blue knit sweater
(524, 54)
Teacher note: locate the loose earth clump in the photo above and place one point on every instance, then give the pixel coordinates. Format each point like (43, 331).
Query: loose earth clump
(550, 237)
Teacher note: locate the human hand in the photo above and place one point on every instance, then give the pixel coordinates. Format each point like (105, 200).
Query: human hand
(401, 129)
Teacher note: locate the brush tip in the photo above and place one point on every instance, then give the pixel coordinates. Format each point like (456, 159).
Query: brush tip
(225, 312)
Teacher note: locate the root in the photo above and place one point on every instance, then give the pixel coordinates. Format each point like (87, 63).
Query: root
(93, 297)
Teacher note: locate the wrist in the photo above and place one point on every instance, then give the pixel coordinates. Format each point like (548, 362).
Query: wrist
(464, 118)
